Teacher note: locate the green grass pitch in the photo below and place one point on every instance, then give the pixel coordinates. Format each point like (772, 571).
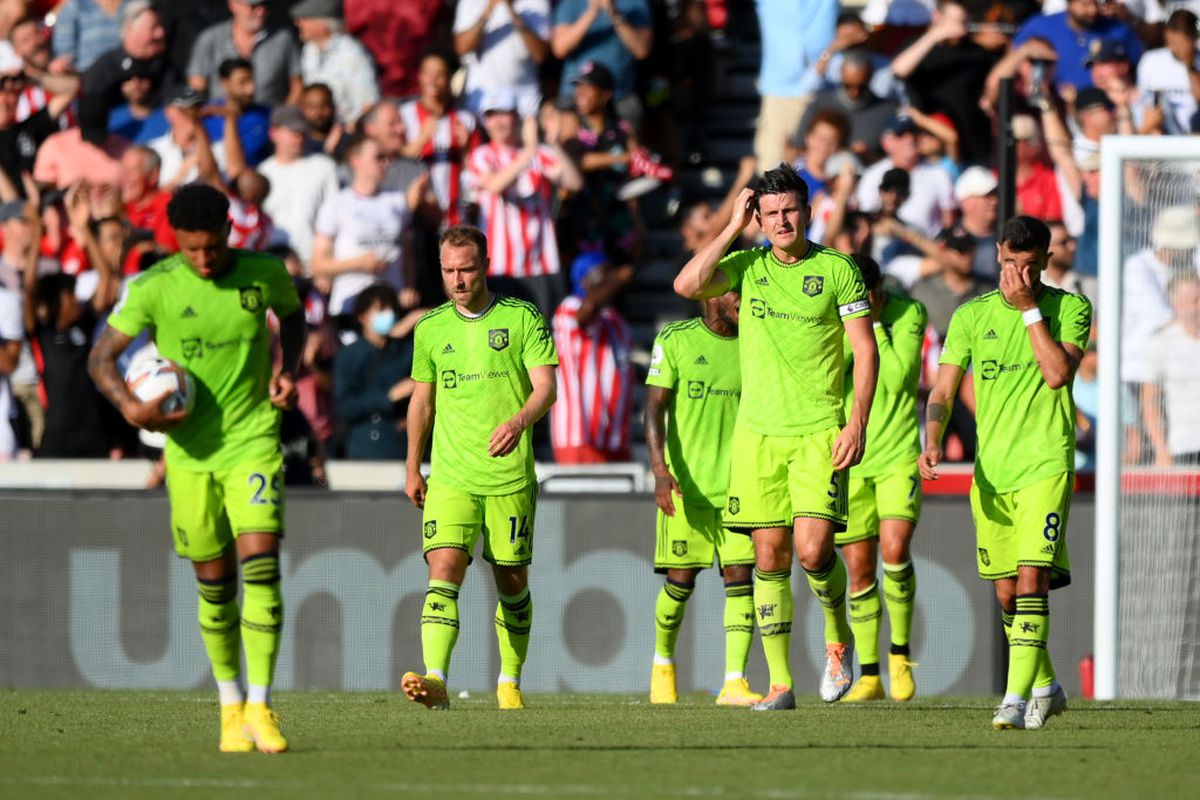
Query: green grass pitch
(130, 745)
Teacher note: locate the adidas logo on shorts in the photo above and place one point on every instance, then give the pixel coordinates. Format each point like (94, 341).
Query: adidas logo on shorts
(449, 348)
(991, 334)
(701, 360)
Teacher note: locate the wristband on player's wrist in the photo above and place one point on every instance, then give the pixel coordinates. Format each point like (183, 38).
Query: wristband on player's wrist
(1032, 316)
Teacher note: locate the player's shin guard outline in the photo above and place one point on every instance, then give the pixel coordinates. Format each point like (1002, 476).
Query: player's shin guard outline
(439, 626)
(773, 610)
(262, 616)
(865, 614)
(514, 620)
(669, 611)
(1027, 646)
(899, 595)
(219, 626)
(739, 625)
(828, 585)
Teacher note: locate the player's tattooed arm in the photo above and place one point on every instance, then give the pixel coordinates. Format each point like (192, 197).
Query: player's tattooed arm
(665, 485)
(102, 367)
(937, 414)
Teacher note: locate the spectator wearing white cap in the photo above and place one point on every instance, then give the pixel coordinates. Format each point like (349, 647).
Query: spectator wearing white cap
(1146, 306)
(502, 43)
(300, 183)
(362, 234)
(975, 191)
(332, 57)
(517, 180)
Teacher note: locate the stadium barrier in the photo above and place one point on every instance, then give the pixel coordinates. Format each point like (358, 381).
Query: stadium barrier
(92, 595)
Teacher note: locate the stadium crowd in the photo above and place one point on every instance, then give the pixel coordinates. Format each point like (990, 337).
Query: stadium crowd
(348, 134)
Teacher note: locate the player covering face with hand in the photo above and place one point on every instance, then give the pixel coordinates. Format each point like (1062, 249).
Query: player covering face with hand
(691, 408)
(793, 441)
(484, 364)
(1023, 343)
(207, 306)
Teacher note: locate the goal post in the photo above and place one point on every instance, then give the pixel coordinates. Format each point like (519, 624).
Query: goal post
(1177, 157)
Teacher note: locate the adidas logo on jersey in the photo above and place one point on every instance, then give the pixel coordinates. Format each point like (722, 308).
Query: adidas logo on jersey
(763, 281)
(701, 360)
(188, 313)
(991, 334)
(449, 348)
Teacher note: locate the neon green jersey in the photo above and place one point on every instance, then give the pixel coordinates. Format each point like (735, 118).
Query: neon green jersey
(217, 330)
(1026, 429)
(790, 331)
(701, 369)
(893, 434)
(479, 367)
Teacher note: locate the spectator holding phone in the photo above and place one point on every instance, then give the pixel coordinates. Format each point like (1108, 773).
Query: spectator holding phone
(1169, 77)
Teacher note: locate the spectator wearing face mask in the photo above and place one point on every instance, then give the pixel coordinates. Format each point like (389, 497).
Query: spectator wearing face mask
(370, 378)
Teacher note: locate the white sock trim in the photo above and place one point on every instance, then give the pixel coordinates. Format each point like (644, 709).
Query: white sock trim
(661, 661)
(1045, 691)
(1013, 699)
(258, 694)
(437, 673)
(733, 676)
(230, 693)
(507, 679)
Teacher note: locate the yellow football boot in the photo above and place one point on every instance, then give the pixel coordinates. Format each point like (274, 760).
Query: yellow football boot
(428, 690)
(903, 687)
(866, 688)
(508, 695)
(662, 684)
(233, 734)
(262, 725)
(737, 692)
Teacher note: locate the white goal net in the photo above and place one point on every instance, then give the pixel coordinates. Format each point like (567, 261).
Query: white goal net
(1148, 453)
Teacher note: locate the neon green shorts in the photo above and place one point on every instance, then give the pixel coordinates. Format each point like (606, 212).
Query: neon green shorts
(691, 538)
(210, 509)
(456, 520)
(894, 495)
(1027, 527)
(774, 479)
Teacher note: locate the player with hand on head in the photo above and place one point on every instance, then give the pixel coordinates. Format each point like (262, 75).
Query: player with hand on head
(792, 442)
(1024, 342)
(207, 306)
(483, 364)
(885, 492)
(695, 387)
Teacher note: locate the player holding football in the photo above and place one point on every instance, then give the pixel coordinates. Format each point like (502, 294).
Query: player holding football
(1024, 342)
(484, 363)
(695, 382)
(792, 442)
(207, 306)
(885, 493)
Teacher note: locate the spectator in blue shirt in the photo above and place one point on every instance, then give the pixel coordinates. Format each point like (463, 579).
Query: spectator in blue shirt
(253, 121)
(794, 35)
(613, 33)
(1072, 32)
(140, 118)
(87, 29)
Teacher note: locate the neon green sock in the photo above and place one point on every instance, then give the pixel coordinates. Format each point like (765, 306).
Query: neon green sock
(739, 625)
(1006, 619)
(773, 607)
(262, 617)
(514, 619)
(828, 585)
(899, 594)
(1030, 632)
(865, 615)
(669, 611)
(218, 613)
(439, 626)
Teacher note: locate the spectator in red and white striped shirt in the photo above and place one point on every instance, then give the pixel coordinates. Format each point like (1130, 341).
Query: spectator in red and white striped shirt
(250, 228)
(47, 76)
(440, 135)
(590, 422)
(516, 178)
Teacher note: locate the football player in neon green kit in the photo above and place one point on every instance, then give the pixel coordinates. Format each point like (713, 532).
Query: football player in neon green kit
(691, 407)
(207, 306)
(483, 363)
(792, 442)
(1024, 342)
(885, 494)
